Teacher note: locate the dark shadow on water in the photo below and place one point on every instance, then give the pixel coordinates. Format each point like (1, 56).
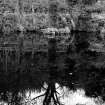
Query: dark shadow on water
(76, 68)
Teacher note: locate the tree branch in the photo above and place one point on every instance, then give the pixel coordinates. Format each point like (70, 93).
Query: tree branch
(38, 96)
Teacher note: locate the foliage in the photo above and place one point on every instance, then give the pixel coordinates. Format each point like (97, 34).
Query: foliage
(82, 69)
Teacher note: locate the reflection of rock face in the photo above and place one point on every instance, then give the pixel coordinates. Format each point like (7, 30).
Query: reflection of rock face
(26, 74)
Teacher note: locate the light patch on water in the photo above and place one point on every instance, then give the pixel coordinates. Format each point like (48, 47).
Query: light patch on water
(3, 103)
(31, 99)
(68, 97)
(65, 96)
(77, 97)
(34, 94)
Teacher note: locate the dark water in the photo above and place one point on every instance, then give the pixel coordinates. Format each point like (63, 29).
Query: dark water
(75, 68)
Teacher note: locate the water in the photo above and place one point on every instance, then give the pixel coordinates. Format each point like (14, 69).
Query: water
(74, 76)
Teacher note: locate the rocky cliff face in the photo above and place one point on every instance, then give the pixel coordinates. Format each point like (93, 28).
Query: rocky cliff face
(27, 13)
(32, 14)
(92, 17)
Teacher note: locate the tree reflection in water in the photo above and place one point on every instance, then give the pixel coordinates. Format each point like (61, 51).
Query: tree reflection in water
(33, 72)
(51, 93)
(29, 76)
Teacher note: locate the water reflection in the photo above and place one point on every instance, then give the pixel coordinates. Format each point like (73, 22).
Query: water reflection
(65, 96)
(23, 75)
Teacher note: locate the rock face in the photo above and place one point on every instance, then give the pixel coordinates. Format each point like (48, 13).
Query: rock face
(27, 14)
(94, 17)
(32, 14)
(83, 22)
